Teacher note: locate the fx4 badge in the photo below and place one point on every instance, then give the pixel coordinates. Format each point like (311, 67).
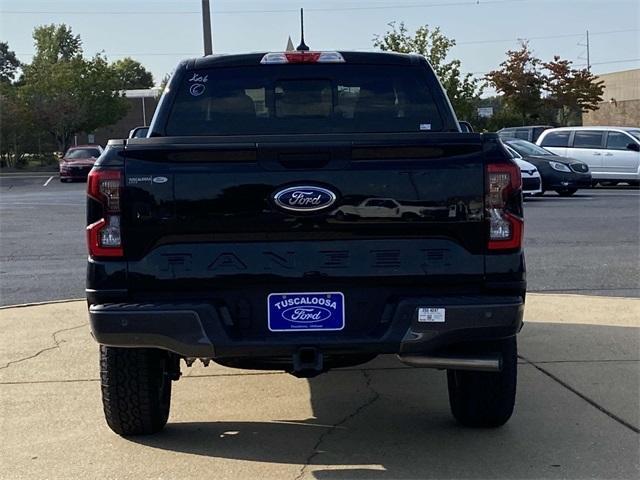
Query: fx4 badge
(304, 198)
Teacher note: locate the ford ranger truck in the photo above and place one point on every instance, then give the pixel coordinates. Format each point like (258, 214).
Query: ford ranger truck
(222, 236)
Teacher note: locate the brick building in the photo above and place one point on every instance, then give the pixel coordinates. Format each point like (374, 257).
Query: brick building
(621, 100)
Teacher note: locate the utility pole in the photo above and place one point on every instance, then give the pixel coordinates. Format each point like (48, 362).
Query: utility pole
(588, 45)
(588, 57)
(206, 27)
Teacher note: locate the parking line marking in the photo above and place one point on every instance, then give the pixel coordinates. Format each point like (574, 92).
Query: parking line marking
(47, 182)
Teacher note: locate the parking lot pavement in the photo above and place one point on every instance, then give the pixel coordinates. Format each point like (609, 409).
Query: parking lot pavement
(576, 414)
(587, 243)
(42, 246)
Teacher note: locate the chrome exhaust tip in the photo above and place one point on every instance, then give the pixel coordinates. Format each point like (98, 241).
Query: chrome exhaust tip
(485, 364)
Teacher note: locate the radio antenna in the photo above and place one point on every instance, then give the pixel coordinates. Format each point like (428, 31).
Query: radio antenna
(302, 47)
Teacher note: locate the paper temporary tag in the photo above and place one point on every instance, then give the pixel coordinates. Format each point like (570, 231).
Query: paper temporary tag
(431, 315)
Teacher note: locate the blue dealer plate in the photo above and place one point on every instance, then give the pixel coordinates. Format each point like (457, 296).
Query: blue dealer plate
(308, 311)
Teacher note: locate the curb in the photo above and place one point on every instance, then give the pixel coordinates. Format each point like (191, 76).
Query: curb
(556, 293)
(35, 304)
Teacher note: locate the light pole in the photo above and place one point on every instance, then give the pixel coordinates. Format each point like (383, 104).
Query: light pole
(206, 27)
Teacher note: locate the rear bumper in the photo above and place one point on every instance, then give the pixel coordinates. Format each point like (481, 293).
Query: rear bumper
(531, 185)
(207, 331)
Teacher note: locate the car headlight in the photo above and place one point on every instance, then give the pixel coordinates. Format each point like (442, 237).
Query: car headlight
(561, 167)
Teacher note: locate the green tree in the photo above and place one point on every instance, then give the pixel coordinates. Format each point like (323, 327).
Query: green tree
(55, 43)
(569, 91)
(11, 122)
(462, 89)
(66, 93)
(132, 74)
(9, 64)
(520, 81)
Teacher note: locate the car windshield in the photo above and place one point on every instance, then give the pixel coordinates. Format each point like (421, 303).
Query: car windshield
(635, 133)
(512, 152)
(78, 153)
(315, 98)
(527, 148)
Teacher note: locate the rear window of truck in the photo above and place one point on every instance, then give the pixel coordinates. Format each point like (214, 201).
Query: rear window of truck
(281, 99)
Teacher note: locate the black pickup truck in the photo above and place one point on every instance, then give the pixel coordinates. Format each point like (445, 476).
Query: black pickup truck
(304, 211)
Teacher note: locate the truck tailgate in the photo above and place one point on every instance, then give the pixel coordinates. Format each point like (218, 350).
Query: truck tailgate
(202, 214)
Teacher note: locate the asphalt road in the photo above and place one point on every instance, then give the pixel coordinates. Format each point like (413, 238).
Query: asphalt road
(586, 244)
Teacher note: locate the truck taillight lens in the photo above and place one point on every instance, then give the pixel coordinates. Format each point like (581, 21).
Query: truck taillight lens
(104, 236)
(504, 186)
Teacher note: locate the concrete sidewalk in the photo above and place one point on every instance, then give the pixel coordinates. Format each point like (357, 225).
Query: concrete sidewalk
(577, 414)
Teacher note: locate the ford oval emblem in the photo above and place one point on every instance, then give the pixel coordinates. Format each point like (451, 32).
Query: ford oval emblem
(160, 179)
(304, 198)
(306, 314)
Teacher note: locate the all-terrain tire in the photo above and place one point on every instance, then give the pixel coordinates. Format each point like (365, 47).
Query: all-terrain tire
(485, 399)
(136, 389)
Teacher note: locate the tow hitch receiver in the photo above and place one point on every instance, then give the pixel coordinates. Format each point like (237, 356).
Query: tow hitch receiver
(307, 363)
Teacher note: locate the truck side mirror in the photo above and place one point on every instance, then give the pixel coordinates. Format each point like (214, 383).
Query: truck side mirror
(634, 147)
(139, 132)
(466, 127)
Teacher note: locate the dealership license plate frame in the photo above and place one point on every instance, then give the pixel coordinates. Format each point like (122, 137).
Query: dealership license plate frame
(278, 322)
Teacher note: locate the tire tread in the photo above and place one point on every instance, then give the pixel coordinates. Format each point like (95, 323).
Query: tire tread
(131, 381)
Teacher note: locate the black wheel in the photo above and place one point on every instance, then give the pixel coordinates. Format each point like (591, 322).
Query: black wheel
(485, 399)
(567, 193)
(136, 389)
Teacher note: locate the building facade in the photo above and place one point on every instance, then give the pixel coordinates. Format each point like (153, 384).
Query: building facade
(621, 101)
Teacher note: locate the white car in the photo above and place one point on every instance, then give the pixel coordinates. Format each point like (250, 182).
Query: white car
(612, 153)
(531, 180)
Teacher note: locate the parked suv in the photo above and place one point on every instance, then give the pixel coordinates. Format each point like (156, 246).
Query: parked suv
(529, 133)
(612, 153)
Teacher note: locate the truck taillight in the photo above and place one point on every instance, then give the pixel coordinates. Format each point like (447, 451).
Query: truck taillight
(104, 236)
(504, 186)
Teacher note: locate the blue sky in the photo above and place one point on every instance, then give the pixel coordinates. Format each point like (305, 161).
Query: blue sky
(160, 33)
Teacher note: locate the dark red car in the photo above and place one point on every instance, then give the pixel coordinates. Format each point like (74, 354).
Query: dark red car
(78, 161)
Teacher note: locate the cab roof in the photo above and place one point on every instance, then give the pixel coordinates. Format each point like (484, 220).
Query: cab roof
(247, 59)
(595, 127)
